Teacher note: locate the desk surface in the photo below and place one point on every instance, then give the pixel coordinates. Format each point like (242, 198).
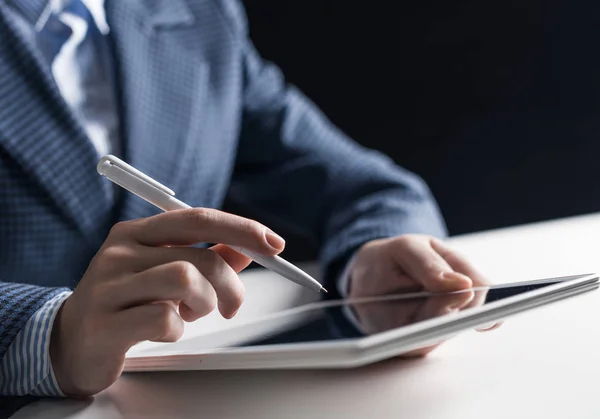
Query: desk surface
(541, 364)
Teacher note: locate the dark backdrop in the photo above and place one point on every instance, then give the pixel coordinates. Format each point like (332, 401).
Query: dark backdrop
(495, 103)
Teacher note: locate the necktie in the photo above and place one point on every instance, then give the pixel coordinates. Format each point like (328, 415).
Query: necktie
(70, 39)
(55, 32)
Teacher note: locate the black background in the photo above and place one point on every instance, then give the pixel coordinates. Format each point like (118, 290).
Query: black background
(494, 103)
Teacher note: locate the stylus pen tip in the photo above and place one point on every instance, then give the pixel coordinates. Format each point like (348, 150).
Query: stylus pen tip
(323, 290)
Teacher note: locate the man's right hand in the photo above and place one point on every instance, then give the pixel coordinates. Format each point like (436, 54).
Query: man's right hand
(143, 283)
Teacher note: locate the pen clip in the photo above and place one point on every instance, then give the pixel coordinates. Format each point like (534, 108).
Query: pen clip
(110, 160)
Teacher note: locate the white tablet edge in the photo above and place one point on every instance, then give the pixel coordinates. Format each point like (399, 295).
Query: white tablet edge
(374, 346)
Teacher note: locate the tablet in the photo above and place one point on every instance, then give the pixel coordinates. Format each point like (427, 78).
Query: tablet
(351, 333)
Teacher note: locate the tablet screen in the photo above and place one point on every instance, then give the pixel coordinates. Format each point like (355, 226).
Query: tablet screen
(355, 319)
(376, 315)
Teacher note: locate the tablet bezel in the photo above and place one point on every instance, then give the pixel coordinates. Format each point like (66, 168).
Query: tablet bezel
(344, 353)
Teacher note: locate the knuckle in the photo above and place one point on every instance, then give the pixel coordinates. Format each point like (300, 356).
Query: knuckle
(117, 253)
(404, 240)
(119, 229)
(184, 274)
(373, 245)
(432, 267)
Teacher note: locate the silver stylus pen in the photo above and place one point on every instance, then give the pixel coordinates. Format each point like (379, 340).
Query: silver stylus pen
(162, 197)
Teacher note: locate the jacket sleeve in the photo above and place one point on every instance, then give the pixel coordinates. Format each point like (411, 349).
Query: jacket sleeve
(26, 314)
(295, 165)
(18, 302)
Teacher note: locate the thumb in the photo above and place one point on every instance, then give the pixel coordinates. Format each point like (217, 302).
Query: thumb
(422, 263)
(237, 261)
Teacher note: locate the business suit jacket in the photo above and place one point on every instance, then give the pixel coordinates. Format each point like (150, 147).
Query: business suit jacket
(201, 113)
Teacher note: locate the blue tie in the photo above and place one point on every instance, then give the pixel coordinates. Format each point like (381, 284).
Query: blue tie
(52, 38)
(79, 56)
(55, 33)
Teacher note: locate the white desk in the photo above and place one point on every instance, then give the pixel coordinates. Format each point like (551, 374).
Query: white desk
(541, 364)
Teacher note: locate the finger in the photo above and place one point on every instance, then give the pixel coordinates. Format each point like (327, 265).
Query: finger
(462, 264)
(143, 258)
(459, 263)
(479, 298)
(437, 306)
(490, 327)
(178, 281)
(384, 316)
(223, 278)
(440, 305)
(204, 225)
(157, 322)
(426, 266)
(237, 261)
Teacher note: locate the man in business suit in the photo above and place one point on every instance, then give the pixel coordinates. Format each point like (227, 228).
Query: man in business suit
(175, 88)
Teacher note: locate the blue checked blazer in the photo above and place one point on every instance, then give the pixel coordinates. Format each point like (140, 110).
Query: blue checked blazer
(201, 113)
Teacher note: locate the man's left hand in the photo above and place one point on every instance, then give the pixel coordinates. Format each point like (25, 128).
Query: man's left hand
(410, 263)
(414, 263)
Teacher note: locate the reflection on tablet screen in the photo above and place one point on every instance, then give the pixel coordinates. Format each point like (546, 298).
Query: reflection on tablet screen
(377, 315)
(352, 319)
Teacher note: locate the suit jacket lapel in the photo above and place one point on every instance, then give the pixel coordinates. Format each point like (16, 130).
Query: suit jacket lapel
(163, 82)
(38, 130)
(31, 10)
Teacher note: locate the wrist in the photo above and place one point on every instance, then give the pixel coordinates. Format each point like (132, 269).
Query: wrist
(344, 282)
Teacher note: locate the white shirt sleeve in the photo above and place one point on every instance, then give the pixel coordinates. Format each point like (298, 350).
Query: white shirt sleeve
(26, 368)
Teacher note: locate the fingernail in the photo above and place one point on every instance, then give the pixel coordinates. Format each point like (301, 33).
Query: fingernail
(487, 327)
(275, 241)
(456, 277)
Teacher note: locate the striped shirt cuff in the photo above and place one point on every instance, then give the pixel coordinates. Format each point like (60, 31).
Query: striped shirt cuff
(26, 368)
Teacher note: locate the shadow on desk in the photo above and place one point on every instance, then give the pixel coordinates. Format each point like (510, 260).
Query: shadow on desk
(55, 408)
(233, 394)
